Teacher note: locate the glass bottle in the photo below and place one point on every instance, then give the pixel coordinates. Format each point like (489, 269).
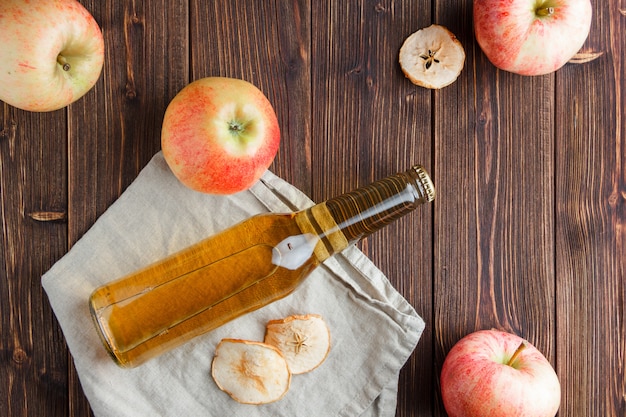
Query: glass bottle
(242, 268)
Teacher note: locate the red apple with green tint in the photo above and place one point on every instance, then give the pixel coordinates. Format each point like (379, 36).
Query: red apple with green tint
(219, 135)
(51, 53)
(531, 37)
(498, 374)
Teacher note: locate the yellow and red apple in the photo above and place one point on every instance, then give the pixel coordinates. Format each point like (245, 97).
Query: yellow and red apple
(51, 53)
(531, 37)
(219, 135)
(498, 374)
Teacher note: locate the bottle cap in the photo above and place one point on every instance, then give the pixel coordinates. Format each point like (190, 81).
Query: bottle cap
(429, 187)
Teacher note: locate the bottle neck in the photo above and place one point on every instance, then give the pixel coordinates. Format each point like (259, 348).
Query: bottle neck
(365, 210)
(343, 220)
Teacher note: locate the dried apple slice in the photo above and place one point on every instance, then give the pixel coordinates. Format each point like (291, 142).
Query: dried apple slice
(304, 341)
(250, 372)
(432, 57)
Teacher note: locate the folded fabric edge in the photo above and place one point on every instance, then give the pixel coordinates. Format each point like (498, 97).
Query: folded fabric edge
(389, 378)
(386, 403)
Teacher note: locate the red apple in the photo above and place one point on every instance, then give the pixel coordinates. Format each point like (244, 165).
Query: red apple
(498, 374)
(531, 37)
(219, 135)
(51, 53)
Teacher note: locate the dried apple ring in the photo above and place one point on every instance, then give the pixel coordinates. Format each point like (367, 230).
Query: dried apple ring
(304, 341)
(250, 372)
(432, 57)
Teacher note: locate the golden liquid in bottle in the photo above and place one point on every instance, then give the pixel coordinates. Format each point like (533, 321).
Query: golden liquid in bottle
(241, 269)
(200, 288)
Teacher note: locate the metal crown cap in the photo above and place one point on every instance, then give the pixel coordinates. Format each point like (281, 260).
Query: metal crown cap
(429, 187)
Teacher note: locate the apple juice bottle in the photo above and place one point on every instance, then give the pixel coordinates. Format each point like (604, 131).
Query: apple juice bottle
(242, 268)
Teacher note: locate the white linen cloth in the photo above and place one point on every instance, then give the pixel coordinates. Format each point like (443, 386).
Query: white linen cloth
(373, 328)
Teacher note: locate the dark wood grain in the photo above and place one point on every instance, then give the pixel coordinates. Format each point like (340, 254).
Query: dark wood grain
(33, 208)
(494, 262)
(590, 223)
(527, 233)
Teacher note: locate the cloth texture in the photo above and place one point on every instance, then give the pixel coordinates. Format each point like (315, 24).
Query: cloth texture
(373, 328)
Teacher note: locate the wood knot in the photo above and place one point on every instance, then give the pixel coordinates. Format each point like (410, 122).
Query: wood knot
(483, 119)
(8, 132)
(614, 198)
(19, 356)
(130, 92)
(356, 70)
(293, 65)
(134, 19)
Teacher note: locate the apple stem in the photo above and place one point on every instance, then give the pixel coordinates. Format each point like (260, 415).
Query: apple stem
(63, 62)
(545, 11)
(519, 350)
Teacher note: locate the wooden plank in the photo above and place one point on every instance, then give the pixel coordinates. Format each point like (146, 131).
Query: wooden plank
(267, 44)
(33, 201)
(591, 223)
(527, 232)
(496, 179)
(115, 130)
(494, 262)
(369, 121)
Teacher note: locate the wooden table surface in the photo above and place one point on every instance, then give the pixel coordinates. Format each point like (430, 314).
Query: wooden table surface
(528, 232)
